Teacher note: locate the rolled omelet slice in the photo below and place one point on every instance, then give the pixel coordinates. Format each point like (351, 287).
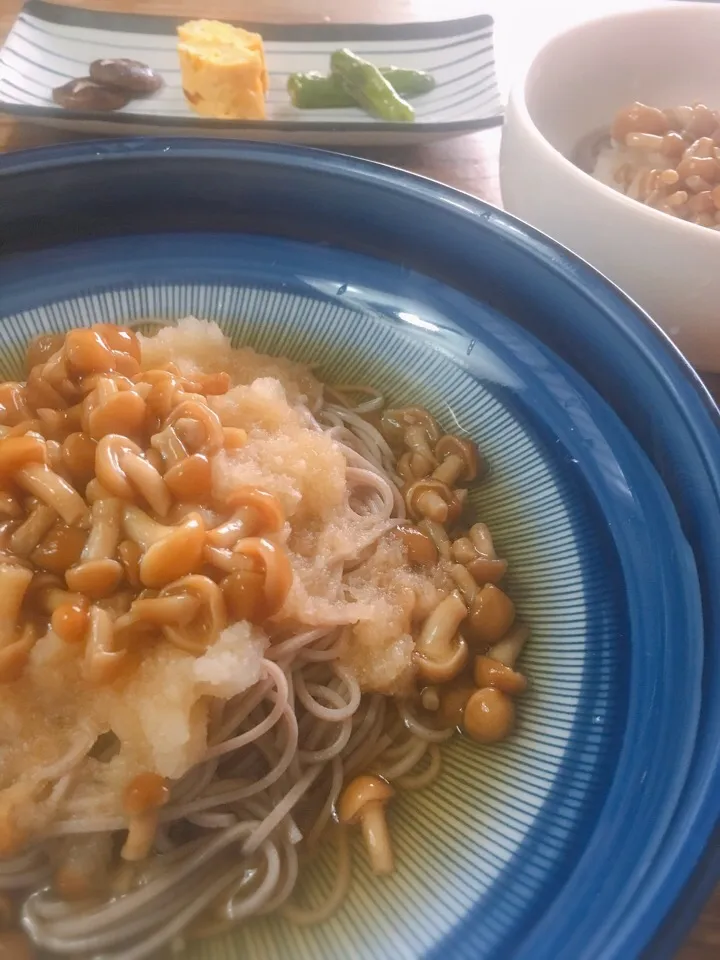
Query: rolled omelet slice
(223, 70)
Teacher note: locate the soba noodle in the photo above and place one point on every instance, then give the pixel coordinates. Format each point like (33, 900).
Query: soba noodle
(180, 729)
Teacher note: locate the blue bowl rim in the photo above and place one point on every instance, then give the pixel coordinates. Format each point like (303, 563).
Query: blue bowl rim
(701, 813)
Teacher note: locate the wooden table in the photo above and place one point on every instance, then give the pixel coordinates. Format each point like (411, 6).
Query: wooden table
(469, 163)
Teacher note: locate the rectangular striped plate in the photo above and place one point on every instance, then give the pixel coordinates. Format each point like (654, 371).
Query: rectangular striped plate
(50, 44)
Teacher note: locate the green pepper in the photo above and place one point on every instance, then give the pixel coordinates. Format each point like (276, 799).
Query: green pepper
(315, 91)
(369, 88)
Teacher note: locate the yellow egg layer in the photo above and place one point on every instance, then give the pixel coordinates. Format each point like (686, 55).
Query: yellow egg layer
(223, 70)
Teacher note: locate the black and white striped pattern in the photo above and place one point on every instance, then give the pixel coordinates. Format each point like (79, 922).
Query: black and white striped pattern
(50, 45)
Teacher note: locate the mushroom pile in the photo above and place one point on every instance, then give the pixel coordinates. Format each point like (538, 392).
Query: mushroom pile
(109, 531)
(113, 536)
(467, 647)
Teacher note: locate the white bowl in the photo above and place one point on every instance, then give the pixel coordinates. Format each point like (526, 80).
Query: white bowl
(664, 56)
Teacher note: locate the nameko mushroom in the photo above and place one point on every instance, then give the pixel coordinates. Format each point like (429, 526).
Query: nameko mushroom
(23, 459)
(363, 801)
(198, 427)
(255, 511)
(412, 427)
(489, 715)
(169, 552)
(496, 667)
(250, 556)
(208, 620)
(142, 800)
(125, 472)
(110, 409)
(458, 460)
(432, 499)
(98, 573)
(421, 550)
(190, 480)
(485, 566)
(27, 536)
(440, 654)
(103, 661)
(15, 642)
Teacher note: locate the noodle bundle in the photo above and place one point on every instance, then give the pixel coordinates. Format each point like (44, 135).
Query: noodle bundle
(237, 611)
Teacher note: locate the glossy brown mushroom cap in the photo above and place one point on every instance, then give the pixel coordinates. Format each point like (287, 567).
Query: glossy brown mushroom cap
(459, 457)
(358, 794)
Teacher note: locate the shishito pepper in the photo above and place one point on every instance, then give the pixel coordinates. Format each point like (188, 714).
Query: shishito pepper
(369, 88)
(316, 91)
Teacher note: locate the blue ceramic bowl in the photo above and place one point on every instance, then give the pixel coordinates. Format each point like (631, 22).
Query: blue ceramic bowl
(575, 839)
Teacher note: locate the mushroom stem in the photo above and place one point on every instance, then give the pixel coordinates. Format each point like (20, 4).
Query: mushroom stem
(416, 441)
(179, 609)
(61, 422)
(432, 506)
(145, 477)
(122, 469)
(377, 838)
(98, 573)
(143, 797)
(29, 534)
(438, 535)
(169, 446)
(465, 581)
(484, 571)
(449, 470)
(508, 649)
(441, 626)
(241, 524)
(463, 550)
(15, 580)
(440, 654)
(458, 460)
(140, 836)
(43, 483)
(362, 801)
(14, 656)
(102, 662)
(130, 556)
(142, 529)
(482, 540)
(51, 595)
(9, 506)
(105, 531)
